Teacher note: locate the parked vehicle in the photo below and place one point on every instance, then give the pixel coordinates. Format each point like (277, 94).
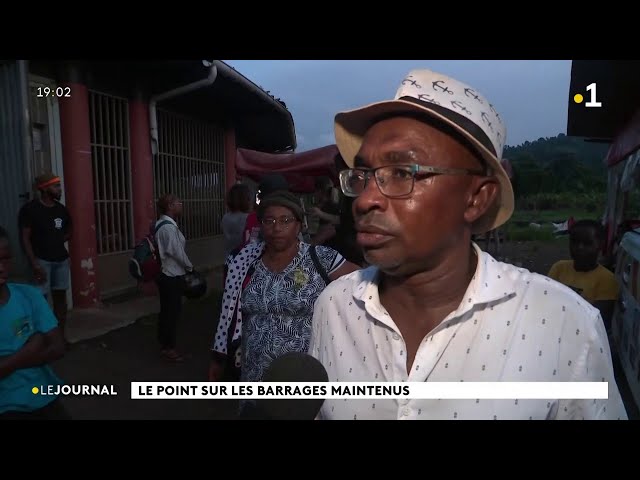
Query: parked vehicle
(622, 251)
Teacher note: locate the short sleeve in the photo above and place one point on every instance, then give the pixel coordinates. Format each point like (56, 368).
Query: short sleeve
(164, 239)
(330, 259)
(607, 288)
(42, 316)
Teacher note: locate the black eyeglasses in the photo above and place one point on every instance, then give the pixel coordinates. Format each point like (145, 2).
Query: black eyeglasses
(282, 221)
(394, 180)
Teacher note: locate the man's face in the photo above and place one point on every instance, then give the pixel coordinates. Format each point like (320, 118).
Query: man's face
(5, 261)
(406, 235)
(55, 191)
(176, 208)
(584, 247)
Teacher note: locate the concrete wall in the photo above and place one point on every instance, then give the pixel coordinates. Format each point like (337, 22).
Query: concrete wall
(113, 273)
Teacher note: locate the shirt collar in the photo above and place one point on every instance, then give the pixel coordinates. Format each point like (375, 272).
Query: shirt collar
(167, 217)
(491, 283)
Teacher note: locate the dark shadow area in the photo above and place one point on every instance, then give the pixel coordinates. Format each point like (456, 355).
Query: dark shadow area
(132, 354)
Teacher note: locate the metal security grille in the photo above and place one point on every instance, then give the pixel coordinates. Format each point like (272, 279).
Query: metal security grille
(190, 164)
(111, 172)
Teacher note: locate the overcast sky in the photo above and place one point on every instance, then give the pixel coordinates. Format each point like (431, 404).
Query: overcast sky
(532, 95)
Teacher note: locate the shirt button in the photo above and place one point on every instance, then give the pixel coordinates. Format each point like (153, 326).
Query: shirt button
(396, 336)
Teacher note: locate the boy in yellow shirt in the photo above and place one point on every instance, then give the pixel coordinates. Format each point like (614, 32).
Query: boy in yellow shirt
(583, 273)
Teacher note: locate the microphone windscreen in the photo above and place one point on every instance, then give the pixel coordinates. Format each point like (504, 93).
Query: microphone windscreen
(294, 367)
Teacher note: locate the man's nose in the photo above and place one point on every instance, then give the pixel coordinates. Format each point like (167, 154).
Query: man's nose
(371, 198)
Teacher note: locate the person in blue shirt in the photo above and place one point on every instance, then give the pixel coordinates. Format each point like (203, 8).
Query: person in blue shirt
(29, 341)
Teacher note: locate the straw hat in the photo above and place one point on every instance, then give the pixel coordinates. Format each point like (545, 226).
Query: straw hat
(453, 103)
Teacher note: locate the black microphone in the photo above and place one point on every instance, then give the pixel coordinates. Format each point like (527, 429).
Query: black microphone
(290, 367)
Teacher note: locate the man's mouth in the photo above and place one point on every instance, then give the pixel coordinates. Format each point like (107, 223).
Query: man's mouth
(371, 237)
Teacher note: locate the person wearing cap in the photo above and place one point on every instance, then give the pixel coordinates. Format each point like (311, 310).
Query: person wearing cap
(45, 226)
(268, 184)
(425, 175)
(270, 289)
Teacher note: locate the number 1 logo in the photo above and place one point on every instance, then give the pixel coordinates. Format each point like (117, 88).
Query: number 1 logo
(593, 102)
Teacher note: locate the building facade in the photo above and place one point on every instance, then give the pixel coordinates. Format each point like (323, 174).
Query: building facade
(121, 134)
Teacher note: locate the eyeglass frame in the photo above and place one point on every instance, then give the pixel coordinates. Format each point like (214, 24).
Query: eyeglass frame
(415, 170)
(289, 220)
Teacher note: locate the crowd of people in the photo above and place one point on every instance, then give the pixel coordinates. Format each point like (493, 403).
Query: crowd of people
(389, 287)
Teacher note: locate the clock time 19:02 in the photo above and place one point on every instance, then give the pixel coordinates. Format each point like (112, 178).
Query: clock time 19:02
(54, 92)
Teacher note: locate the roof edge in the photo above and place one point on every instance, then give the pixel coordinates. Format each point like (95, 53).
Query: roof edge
(233, 74)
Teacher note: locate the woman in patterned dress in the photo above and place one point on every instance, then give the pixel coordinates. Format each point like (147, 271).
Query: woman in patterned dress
(270, 291)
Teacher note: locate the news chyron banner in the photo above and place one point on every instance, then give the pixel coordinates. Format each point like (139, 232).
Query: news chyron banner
(339, 390)
(363, 390)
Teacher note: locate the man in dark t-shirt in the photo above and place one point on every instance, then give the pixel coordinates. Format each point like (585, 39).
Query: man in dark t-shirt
(326, 211)
(45, 226)
(344, 240)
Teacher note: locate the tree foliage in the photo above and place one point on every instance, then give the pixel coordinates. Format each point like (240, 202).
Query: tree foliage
(558, 165)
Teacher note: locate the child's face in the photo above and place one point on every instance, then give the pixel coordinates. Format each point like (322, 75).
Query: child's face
(584, 246)
(5, 261)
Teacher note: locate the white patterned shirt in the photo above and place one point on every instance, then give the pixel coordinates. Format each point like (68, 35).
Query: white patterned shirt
(512, 325)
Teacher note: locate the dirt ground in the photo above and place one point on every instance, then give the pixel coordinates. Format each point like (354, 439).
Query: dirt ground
(130, 354)
(534, 256)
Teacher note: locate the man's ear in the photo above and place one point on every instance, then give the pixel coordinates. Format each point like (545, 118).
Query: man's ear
(482, 195)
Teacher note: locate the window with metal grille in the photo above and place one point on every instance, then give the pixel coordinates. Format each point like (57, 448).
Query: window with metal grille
(111, 172)
(190, 164)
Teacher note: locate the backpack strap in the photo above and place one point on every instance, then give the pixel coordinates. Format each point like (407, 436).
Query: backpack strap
(153, 242)
(162, 223)
(318, 265)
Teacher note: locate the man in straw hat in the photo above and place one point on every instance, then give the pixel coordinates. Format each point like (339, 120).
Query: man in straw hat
(425, 174)
(45, 225)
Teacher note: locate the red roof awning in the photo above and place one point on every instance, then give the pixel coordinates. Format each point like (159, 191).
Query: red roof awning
(299, 169)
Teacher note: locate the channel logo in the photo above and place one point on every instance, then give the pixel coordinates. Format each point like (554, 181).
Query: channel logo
(75, 390)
